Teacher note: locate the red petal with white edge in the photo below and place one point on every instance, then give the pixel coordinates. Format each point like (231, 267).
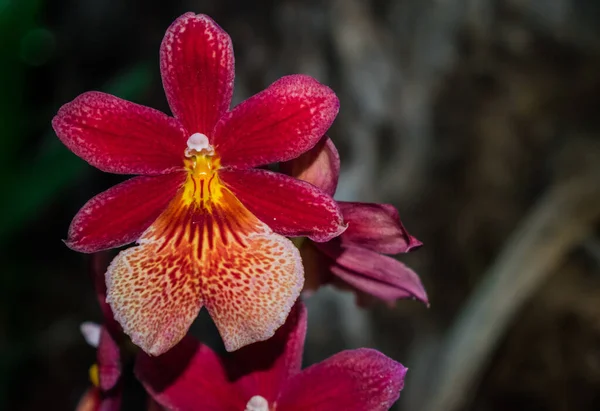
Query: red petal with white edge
(376, 227)
(319, 166)
(289, 206)
(264, 368)
(277, 124)
(120, 215)
(355, 380)
(217, 254)
(121, 137)
(373, 273)
(197, 67)
(189, 377)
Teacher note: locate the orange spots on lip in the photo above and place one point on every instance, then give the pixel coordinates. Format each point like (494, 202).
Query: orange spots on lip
(205, 249)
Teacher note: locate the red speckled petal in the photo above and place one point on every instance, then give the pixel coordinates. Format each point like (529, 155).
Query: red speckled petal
(189, 377)
(356, 380)
(120, 215)
(121, 137)
(376, 227)
(319, 166)
(216, 254)
(197, 67)
(289, 206)
(278, 124)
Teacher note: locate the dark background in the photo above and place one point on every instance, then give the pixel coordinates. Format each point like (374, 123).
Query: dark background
(478, 119)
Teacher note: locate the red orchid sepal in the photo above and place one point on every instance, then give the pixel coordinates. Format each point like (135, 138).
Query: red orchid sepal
(356, 259)
(268, 375)
(209, 226)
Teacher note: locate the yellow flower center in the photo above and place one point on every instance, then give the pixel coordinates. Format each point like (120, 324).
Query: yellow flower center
(202, 186)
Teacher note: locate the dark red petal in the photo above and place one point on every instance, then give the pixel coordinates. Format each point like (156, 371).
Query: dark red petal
(263, 368)
(120, 215)
(109, 361)
(376, 274)
(319, 166)
(188, 377)
(289, 206)
(376, 227)
(354, 380)
(277, 124)
(120, 137)
(197, 67)
(99, 265)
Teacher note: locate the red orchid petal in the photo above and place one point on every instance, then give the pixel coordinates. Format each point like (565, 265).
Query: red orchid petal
(376, 274)
(99, 265)
(319, 166)
(189, 377)
(120, 137)
(109, 361)
(209, 251)
(120, 215)
(277, 124)
(264, 367)
(354, 380)
(376, 227)
(290, 207)
(197, 67)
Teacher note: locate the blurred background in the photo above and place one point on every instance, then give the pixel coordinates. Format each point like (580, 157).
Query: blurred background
(477, 119)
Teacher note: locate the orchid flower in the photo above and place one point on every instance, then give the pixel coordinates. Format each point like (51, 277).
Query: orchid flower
(267, 376)
(356, 258)
(208, 224)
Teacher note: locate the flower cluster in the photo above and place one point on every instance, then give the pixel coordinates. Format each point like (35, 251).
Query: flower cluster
(211, 229)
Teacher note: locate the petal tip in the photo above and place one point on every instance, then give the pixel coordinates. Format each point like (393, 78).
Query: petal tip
(391, 369)
(336, 231)
(79, 246)
(413, 244)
